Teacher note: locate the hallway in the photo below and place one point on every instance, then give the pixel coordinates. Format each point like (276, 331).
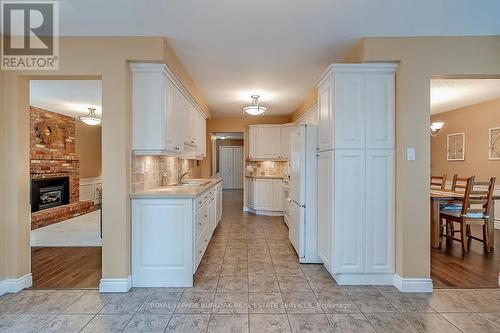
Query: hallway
(250, 280)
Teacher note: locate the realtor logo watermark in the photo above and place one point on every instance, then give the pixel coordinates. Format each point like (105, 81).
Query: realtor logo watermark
(30, 35)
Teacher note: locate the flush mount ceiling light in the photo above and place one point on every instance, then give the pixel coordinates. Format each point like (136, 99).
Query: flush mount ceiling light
(91, 118)
(255, 109)
(436, 127)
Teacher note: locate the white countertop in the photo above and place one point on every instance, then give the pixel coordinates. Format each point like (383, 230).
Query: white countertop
(265, 177)
(175, 192)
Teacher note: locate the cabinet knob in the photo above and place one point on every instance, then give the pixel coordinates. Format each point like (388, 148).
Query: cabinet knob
(206, 215)
(206, 240)
(199, 252)
(177, 148)
(199, 202)
(199, 223)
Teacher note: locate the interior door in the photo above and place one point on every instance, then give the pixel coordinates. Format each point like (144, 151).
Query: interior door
(226, 167)
(238, 168)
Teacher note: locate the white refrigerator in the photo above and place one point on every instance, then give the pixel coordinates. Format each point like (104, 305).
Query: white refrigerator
(303, 193)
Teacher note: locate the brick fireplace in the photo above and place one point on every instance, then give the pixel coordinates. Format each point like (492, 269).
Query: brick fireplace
(54, 165)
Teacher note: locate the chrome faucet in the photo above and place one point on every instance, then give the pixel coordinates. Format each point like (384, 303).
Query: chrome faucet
(181, 175)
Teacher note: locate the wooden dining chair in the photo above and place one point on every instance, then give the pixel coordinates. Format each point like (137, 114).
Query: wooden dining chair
(475, 209)
(438, 182)
(459, 184)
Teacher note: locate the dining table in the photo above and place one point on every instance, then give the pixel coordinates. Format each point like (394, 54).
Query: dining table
(440, 198)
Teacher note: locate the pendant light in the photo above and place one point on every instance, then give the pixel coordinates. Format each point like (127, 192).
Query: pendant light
(91, 118)
(255, 109)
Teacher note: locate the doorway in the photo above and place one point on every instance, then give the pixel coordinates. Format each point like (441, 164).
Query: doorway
(464, 154)
(65, 183)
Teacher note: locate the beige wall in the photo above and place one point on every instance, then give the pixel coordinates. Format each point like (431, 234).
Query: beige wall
(234, 124)
(422, 58)
(90, 58)
(474, 120)
(88, 149)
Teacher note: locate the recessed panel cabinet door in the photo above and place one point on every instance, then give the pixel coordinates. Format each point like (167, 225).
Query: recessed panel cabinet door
(380, 110)
(380, 210)
(238, 167)
(162, 243)
(268, 142)
(349, 110)
(250, 193)
(325, 206)
(349, 214)
(277, 195)
(263, 194)
(226, 167)
(325, 112)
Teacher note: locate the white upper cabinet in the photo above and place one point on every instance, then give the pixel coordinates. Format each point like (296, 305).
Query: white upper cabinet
(286, 130)
(201, 134)
(165, 119)
(269, 142)
(356, 107)
(380, 110)
(349, 110)
(325, 112)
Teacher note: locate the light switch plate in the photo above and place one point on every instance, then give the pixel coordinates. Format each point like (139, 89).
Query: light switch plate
(411, 154)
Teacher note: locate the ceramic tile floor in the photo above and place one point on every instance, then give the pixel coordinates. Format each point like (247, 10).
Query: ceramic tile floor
(250, 280)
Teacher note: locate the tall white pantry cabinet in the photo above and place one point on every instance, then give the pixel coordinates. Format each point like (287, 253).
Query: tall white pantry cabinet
(356, 172)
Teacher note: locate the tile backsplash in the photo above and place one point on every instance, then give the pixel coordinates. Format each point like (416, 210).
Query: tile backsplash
(158, 171)
(267, 168)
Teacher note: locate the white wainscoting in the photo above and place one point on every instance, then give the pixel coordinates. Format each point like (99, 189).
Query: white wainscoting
(91, 189)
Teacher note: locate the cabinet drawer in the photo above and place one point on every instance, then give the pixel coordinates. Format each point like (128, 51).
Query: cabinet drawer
(201, 246)
(202, 198)
(200, 221)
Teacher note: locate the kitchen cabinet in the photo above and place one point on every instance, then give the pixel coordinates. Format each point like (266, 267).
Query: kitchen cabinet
(266, 142)
(165, 119)
(263, 193)
(356, 177)
(277, 201)
(284, 200)
(170, 236)
(325, 206)
(286, 130)
(250, 193)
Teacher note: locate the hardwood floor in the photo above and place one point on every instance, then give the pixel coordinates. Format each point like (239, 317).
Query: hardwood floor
(475, 269)
(66, 267)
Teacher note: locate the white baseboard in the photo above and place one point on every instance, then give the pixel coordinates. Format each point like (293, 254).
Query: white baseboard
(497, 224)
(115, 285)
(16, 285)
(413, 285)
(355, 279)
(264, 212)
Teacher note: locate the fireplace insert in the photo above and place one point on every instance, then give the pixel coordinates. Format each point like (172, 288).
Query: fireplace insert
(49, 192)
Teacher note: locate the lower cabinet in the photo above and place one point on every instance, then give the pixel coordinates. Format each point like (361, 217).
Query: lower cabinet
(170, 236)
(265, 196)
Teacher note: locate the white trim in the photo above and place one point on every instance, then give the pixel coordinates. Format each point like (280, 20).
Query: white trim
(363, 67)
(263, 212)
(360, 279)
(305, 115)
(413, 285)
(16, 285)
(120, 285)
(499, 279)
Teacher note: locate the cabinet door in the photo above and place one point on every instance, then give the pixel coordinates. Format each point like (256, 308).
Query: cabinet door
(349, 110)
(268, 142)
(252, 142)
(325, 112)
(180, 105)
(277, 196)
(285, 141)
(263, 194)
(190, 122)
(170, 118)
(380, 207)
(238, 167)
(380, 110)
(250, 193)
(349, 212)
(325, 206)
(201, 141)
(162, 242)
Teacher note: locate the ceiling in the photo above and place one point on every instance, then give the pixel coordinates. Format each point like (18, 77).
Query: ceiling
(277, 48)
(68, 97)
(450, 94)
